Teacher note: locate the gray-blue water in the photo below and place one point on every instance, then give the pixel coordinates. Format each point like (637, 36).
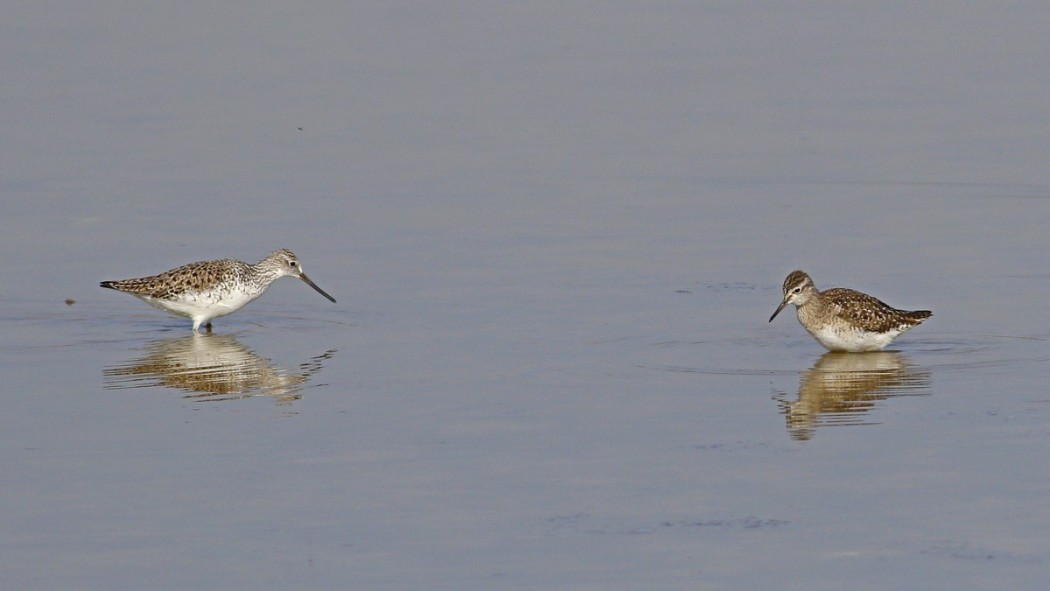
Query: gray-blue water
(556, 234)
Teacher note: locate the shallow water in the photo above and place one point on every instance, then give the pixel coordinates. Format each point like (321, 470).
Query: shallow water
(555, 238)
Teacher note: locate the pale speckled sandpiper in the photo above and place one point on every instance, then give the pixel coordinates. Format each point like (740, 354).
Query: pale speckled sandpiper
(208, 289)
(846, 320)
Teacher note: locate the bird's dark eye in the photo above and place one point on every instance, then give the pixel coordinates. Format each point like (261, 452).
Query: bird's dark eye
(797, 290)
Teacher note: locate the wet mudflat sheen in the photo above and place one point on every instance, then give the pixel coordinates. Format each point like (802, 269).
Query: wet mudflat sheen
(555, 237)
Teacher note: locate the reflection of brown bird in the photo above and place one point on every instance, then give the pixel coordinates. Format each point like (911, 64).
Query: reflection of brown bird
(211, 367)
(843, 319)
(209, 289)
(841, 387)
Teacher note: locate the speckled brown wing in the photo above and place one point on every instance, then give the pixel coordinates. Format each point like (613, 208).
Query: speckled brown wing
(871, 313)
(185, 279)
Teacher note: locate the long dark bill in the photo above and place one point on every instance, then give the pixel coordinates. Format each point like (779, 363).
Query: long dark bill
(779, 308)
(314, 285)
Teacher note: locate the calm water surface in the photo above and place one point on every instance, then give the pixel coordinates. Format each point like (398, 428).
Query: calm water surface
(556, 236)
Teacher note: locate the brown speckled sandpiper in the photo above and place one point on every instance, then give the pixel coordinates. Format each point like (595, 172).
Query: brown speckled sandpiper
(843, 319)
(208, 289)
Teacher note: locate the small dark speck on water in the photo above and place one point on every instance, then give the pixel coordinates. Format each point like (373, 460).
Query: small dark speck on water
(70, 301)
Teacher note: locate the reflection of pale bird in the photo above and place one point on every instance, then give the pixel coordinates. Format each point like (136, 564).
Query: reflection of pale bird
(209, 289)
(841, 387)
(212, 367)
(843, 319)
